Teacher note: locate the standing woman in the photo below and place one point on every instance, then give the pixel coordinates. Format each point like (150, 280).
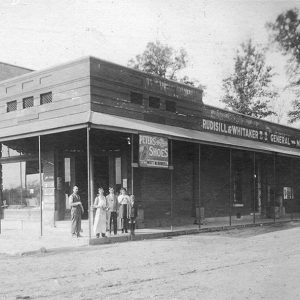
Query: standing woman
(100, 217)
(124, 202)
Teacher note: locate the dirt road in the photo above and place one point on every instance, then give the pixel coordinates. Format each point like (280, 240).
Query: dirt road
(253, 263)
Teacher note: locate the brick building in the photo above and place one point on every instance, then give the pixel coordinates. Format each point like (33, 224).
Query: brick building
(94, 123)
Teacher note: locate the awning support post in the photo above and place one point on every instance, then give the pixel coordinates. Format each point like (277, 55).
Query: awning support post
(171, 175)
(254, 182)
(274, 185)
(132, 169)
(89, 176)
(199, 184)
(230, 184)
(41, 188)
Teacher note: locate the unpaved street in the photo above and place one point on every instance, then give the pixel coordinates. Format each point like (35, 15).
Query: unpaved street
(253, 263)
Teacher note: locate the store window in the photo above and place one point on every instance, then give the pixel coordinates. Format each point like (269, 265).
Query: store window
(7, 152)
(21, 183)
(19, 176)
(237, 189)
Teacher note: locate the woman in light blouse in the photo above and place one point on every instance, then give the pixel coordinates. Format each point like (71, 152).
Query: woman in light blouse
(124, 201)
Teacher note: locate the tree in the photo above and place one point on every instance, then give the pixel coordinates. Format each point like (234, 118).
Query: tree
(159, 59)
(248, 90)
(285, 33)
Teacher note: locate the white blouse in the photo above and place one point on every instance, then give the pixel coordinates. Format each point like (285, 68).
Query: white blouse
(123, 199)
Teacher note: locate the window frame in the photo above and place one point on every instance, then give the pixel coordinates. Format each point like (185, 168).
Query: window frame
(172, 104)
(27, 98)
(136, 100)
(154, 102)
(44, 94)
(9, 103)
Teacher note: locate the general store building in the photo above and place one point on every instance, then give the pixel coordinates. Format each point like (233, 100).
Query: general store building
(93, 123)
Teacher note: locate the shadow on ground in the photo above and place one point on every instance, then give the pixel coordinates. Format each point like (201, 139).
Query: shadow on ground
(254, 231)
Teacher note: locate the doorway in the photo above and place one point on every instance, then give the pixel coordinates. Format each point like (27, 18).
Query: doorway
(101, 173)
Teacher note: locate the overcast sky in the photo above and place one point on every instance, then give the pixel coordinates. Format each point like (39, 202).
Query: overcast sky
(41, 33)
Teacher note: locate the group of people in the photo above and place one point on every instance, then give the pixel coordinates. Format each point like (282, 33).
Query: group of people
(108, 208)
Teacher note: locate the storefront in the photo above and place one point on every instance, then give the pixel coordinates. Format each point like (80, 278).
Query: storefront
(91, 123)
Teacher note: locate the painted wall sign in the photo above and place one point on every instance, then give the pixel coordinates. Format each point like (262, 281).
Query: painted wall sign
(250, 133)
(153, 151)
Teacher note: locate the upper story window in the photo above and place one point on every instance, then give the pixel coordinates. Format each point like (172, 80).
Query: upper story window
(46, 98)
(136, 98)
(28, 102)
(11, 106)
(154, 102)
(170, 106)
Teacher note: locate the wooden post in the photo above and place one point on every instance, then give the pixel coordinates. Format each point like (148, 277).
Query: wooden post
(293, 182)
(132, 169)
(230, 184)
(88, 174)
(199, 183)
(41, 187)
(92, 195)
(171, 175)
(254, 181)
(274, 185)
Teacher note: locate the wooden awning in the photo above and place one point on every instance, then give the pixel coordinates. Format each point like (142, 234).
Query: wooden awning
(122, 124)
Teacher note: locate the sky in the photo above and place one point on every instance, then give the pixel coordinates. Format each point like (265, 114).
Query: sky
(41, 33)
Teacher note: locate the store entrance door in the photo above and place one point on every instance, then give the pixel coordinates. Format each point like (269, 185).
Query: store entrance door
(101, 173)
(107, 171)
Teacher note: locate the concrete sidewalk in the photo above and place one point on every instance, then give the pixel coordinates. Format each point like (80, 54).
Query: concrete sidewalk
(24, 238)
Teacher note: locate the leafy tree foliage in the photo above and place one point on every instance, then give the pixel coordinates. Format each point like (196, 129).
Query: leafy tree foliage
(285, 32)
(249, 89)
(159, 59)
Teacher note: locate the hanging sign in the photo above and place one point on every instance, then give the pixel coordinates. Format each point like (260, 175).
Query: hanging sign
(153, 151)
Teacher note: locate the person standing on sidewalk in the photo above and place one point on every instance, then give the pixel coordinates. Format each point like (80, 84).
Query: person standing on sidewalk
(100, 217)
(112, 205)
(132, 214)
(124, 202)
(76, 211)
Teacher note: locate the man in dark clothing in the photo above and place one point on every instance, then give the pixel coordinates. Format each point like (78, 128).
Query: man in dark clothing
(132, 214)
(112, 204)
(76, 211)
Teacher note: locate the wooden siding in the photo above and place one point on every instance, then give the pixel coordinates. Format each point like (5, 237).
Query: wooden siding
(70, 87)
(90, 84)
(123, 76)
(111, 86)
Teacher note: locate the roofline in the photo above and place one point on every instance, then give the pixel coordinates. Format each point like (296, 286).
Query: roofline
(89, 57)
(147, 74)
(45, 70)
(250, 117)
(16, 66)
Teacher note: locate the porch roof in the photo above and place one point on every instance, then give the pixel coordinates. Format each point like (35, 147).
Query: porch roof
(122, 124)
(104, 121)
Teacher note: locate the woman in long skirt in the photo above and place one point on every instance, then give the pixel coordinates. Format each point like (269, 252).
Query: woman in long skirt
(100, 216)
